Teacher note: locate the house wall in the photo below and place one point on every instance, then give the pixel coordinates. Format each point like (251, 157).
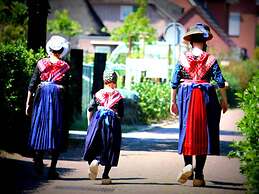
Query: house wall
(247, 10)
(110, 15)
(184, 4)
(247, 38)
(220, 11)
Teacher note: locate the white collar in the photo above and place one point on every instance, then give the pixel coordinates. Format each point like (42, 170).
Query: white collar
(196, 51)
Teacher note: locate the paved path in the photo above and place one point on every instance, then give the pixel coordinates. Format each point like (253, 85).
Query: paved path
(148, 164)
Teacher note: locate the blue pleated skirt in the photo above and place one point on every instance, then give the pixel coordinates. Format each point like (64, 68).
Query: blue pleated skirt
(47, 118)
(103, 138)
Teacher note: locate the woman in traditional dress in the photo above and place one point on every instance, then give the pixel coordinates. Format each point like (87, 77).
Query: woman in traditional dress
(47, 128)
(103, 139)
(197, 104)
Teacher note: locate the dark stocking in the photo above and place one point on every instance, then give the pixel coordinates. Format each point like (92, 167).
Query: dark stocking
(38, 161)
(106, 172)
(187, 159)
(54, 160)
(52, 170)
(200, 163)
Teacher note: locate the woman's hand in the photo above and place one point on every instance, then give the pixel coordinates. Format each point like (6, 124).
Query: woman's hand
(224, 106)
(28, 110)
(174, 109)
(224, 100)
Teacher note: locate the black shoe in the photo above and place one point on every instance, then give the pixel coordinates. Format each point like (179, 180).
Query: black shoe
(106, 180)
(38, 166)
(53, 175)
(199, 183)
(199, 180)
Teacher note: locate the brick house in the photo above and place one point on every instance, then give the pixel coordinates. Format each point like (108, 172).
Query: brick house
(232, 22)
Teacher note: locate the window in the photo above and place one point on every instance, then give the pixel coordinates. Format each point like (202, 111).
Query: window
(125, 10)
(234, 24)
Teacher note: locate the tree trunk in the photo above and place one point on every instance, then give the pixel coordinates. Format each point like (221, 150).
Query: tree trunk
(130, 46)
(37, 26)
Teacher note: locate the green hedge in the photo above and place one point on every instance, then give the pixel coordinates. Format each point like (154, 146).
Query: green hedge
(154, 101)
(247, 150)
(238, 74)
(17, 64)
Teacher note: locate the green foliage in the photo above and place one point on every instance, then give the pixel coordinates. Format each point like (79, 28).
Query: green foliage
(63, 24)
(136, 26)
(238, 74)
(256, 54)
(89, 58)
(17, 64)
(247, 150)
(154, 100)
(14, 20)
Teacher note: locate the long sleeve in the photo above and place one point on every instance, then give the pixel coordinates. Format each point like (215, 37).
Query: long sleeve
(176, 76)
(93, 105)
(35, 80)
(217, 75)
(121, 108)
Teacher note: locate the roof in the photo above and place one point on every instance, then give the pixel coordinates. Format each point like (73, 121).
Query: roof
(96, 25)
(81, 11)
(167, 8)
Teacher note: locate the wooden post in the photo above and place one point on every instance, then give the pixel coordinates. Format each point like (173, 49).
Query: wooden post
(99, 67)
(75, 85)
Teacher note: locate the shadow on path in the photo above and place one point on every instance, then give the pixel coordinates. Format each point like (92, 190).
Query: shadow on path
(19, 176)
(226, 185)
(76, 147)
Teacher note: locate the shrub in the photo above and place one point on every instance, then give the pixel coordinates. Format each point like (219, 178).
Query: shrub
(14, 21)
(238, 74)
(154, 101)
(17, 64)
(233, 88)
(256, 52)
(247, 150)
(131, 107)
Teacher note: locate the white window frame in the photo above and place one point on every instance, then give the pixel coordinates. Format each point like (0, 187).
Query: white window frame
(125, 10)
(234, 24)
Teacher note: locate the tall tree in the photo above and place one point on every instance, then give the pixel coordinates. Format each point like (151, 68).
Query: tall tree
(136, 26)
(14, 20)
(63, 24)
